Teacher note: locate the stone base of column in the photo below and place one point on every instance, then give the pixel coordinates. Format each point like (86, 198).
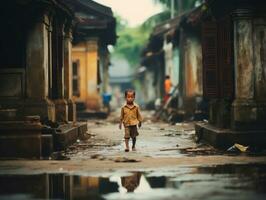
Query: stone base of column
(248, 115)
(225, 138)
(72, 110)
(21, 139)
(45, 108)
(261, 114)
(220, 113)
(61, 110)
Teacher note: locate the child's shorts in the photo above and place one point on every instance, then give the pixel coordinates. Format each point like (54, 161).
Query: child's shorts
(131, 132)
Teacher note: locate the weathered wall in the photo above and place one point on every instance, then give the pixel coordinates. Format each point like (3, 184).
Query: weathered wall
(244, 59)
(249, 107)
(87, 55)
(193, 68)
(192, 79)
(37, 61)
(37, 88)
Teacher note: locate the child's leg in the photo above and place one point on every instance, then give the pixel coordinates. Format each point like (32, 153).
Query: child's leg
(126, 143)
(127, 137)
(134, 142)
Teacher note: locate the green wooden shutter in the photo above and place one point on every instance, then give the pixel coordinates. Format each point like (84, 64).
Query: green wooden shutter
(225, 58)
(210, 59)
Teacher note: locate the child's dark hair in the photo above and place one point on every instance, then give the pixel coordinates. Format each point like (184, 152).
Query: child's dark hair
(167, 76)
(129, 90)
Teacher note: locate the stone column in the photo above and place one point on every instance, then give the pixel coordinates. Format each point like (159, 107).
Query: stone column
(68, 88)
(37, 102)
(61, 107)
(91, 64)
(104, 59)
(244, 107)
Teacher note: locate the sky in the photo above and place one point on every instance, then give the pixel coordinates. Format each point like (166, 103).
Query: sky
(134, 11)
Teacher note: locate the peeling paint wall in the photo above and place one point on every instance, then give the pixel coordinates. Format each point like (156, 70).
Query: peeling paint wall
(193, 68)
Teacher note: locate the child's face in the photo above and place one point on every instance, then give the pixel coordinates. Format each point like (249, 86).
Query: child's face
(130, 97)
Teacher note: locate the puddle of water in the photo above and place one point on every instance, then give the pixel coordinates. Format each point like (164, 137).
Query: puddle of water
(218, 182)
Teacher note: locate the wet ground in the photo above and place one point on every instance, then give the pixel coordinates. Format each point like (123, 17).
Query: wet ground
(168, 164)
(216, 182)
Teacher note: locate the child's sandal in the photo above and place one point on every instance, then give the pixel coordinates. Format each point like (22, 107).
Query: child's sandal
(126, 150)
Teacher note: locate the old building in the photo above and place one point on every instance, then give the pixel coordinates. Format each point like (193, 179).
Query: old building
(95, 30)
(233, 39)
(37, 114)
(153, 59)
(179, 41)
(190, 97)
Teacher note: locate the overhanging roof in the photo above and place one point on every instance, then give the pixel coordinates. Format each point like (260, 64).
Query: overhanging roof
(93, 20)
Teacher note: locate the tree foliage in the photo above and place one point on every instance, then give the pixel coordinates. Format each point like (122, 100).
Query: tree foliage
(130, 41)
(156, 19)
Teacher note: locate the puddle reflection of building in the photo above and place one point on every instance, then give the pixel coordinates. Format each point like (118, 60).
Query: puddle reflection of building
(55, 186)
(65, 186)
(92, 187)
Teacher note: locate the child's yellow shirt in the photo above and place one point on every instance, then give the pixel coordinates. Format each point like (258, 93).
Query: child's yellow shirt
(130, 116)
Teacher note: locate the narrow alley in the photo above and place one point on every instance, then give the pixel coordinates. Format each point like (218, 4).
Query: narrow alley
(133, 99)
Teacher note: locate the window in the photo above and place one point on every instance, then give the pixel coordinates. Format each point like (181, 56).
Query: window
(76, 78)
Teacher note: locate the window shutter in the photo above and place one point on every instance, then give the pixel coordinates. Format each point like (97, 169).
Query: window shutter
(225, 58)
(210, 68)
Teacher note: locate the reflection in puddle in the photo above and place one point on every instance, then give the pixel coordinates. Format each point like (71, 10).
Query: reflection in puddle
(219, 182)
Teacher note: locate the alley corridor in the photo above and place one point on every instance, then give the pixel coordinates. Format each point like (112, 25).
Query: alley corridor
(183, 79)
(167, 164)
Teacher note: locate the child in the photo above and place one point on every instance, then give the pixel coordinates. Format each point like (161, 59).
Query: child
(130, 117)
(167, 88)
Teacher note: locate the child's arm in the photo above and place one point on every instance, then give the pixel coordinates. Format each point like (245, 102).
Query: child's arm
(121, 118)
(139, 117)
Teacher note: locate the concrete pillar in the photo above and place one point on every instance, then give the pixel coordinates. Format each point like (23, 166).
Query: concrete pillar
(104, 62)
(61, 106)
(68, 88)
(37, 102)
(244, 107)
(91, 60)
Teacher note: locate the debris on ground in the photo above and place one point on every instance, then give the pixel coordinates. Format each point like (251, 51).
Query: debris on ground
(170, 149)
(95, 156)
(59, 156)
(201, 149)
(125, 159)
(99, 123)
(173, 134)
(238, 148)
